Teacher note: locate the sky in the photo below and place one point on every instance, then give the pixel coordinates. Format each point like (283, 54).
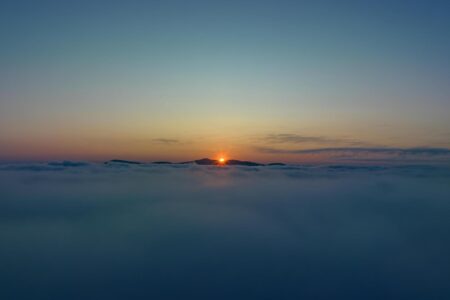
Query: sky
(258, 80)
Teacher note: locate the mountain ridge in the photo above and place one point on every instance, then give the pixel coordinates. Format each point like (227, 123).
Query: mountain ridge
(202, 161)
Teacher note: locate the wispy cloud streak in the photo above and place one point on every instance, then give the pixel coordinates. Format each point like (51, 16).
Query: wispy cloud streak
(166, 141)
(289, 138)
(355, 153)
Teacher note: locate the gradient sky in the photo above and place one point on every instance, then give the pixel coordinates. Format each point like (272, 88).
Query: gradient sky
(260, 80)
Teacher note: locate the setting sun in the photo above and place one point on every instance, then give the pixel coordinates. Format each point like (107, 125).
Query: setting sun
(221, 160)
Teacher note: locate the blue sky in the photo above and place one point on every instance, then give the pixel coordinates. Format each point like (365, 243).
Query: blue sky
(91, 79)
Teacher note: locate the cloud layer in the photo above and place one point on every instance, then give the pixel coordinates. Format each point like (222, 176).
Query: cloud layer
(206, 232)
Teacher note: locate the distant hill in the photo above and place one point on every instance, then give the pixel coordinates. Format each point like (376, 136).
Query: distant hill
(231, 162)
(276, 164)
(120, 161)
(203, 162)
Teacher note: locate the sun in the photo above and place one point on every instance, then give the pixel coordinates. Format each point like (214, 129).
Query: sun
(221, 158)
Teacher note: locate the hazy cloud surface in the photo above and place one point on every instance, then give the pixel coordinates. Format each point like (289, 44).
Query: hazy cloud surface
(93, 231)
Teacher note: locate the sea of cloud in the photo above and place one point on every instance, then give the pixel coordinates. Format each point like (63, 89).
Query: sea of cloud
(75, 230)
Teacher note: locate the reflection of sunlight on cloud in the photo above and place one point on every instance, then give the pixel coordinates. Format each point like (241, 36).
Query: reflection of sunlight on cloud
(217, 177)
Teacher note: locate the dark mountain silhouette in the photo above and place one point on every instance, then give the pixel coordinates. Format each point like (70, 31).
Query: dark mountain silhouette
(67, 163)
(231, 162)
(203, 162)
(120, 161)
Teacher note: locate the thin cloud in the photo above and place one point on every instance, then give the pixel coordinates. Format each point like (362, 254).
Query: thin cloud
(416, 151)
(356, 153)
(166, 141)
(288, 138)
